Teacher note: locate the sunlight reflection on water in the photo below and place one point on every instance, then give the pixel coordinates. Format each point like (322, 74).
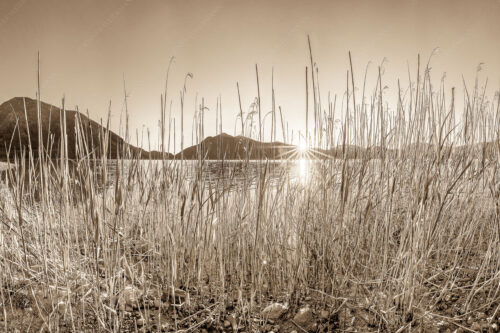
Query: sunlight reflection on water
(235, 174)
(303, 172)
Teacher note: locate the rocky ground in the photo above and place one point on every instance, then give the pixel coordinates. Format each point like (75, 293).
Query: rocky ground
(199, 310)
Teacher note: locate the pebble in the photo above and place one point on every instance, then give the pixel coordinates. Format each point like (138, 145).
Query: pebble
(168, 294)
(157, 303)
(129, 298)
(61, 307)
(305, 319)
(324, 314)
(479, 326)
(274, 311)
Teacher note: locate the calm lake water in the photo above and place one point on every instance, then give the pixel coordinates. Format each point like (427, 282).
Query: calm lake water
(228, 174)
(234, 174)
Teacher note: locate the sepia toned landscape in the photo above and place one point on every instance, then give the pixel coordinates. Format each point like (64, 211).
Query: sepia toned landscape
(375, 208)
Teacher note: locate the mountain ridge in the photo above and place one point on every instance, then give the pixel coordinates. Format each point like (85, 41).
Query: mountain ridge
(19, 131)
(19, 128)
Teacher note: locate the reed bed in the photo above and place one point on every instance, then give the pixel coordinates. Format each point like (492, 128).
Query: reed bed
(404, 235)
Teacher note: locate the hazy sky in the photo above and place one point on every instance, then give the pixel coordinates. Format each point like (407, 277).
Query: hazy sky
(88, 46)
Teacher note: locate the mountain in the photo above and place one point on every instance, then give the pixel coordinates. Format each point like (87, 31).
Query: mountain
(236, 148)
(240, 148)
(19, 127)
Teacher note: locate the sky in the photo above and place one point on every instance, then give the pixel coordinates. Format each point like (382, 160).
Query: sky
(90, 48)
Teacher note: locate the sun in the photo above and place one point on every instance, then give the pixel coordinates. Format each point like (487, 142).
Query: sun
(302, 147)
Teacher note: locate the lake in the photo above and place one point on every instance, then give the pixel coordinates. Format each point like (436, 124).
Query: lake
(232, 173)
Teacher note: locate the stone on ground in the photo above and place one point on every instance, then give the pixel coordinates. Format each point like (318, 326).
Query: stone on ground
(274, 311)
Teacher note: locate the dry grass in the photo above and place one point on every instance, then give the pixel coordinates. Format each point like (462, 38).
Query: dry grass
(404, 240)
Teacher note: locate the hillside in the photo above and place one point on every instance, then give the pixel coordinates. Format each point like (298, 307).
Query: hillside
(14, 138)
(236, 147)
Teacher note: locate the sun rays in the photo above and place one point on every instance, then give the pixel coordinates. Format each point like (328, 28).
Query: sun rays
(301, 152)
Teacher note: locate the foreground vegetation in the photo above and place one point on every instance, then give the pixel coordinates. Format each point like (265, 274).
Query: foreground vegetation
(407, 240)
